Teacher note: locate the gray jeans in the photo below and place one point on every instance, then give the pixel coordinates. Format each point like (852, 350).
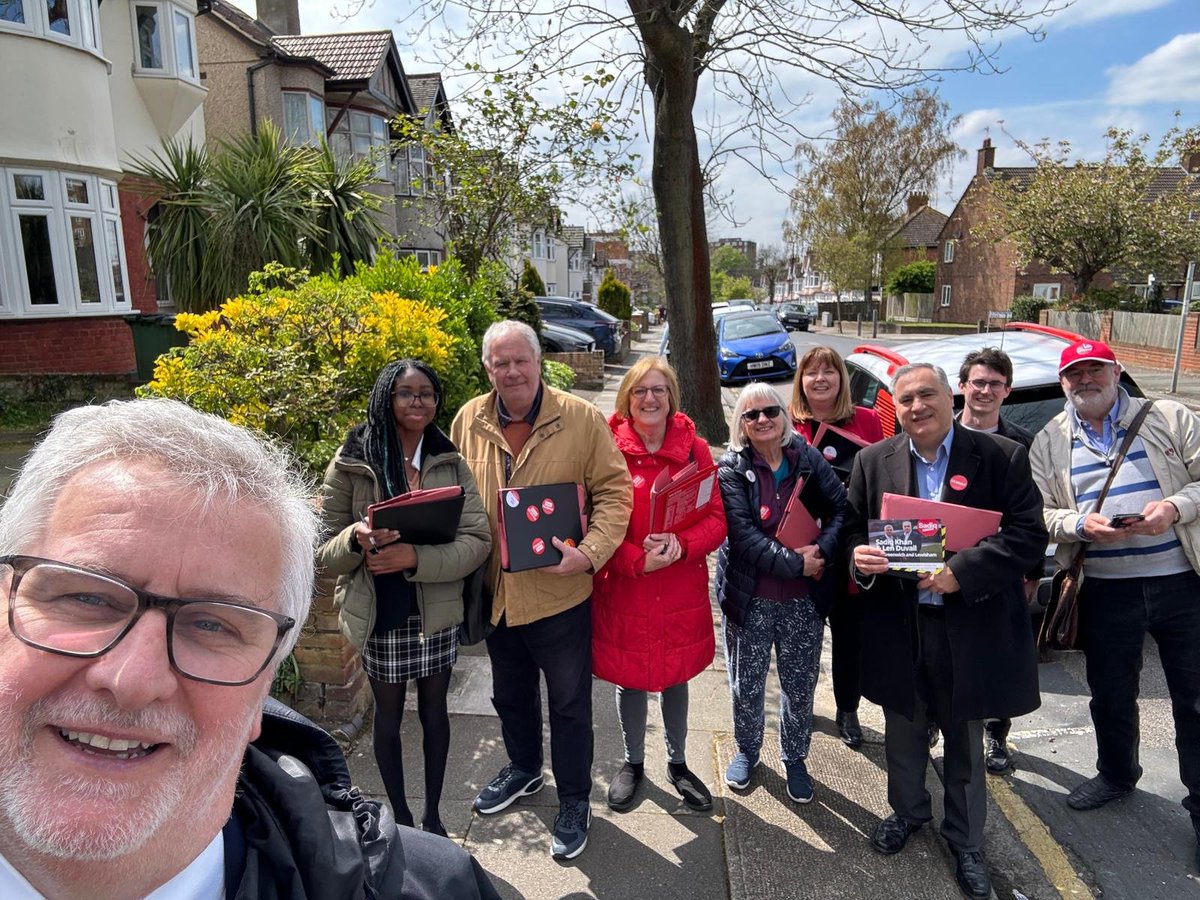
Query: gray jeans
(631, 709)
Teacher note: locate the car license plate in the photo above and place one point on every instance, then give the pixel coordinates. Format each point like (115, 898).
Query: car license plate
(761, 364)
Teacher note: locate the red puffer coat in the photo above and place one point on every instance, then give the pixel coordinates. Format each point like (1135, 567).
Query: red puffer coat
(653, 631)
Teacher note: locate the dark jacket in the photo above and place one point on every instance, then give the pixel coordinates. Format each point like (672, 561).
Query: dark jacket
(994, 660)
(300, 830)
(749, 551)
(1010, 430)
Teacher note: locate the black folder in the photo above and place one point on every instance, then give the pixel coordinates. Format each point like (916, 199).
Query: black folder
(421, 517)
(530, 516)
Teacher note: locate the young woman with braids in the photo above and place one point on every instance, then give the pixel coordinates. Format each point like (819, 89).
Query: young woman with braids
(399, 603)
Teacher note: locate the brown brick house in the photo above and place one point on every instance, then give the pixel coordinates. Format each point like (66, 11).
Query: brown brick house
(978, 277)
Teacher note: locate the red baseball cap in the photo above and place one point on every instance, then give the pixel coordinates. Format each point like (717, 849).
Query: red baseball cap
(1085, 351)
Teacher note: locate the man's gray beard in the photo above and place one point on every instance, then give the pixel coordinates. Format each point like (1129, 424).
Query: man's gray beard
(49, 825)
(1094, 404)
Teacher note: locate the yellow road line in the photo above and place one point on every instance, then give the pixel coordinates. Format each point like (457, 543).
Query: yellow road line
(1034, 835)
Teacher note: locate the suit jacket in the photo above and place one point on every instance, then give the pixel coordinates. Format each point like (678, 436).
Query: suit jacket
(994, 659)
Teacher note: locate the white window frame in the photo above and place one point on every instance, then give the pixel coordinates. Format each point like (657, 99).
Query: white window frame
(574, 258)
(101, 210)
(36, 16)
(344, 134)
(1051, 291)
(948, 252)
(313, 130)
(550, 246)
(552, 288)
(945, 295)
(538, 244)
(166, 12)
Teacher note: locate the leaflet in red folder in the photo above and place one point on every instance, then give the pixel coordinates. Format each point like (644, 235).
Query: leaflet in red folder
(797, 526)
(965, 526)
(527, 519)
(680, 501)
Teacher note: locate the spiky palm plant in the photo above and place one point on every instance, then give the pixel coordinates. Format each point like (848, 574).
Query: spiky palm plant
(345, 211)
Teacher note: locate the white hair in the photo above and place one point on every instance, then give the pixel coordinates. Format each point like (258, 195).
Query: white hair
(203, 453)
(914, 367)
(498, 331)
(754, 392)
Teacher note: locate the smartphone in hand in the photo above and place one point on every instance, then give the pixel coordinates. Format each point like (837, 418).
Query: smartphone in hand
(1122, 520)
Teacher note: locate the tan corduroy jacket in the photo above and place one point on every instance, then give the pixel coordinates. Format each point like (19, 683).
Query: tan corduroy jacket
(570, 442)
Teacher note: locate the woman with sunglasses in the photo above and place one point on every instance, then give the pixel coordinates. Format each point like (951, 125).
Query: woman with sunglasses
(821, 394)
(771, 595)
(398, 603)
(651, 617)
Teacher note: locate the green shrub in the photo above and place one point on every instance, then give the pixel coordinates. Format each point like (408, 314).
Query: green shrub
(613, 296)
(558, 375)
(913, 278)
(517, 303)
(298, 359)
(1027, 309)
(531, 281)
(1121, 297)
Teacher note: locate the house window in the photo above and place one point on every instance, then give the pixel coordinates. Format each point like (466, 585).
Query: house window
(552, 288)
(67, 21)
(411, 171)
(425, 258)
(1047, 292)
(538, 245)
(164, 40)
(573, 259)
(948, 254)
(945, 295)
(303, 117)
(364, 135)
(550, 242)
(66, 236)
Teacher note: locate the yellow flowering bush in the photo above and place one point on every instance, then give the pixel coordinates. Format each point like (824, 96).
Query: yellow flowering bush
(297, 360)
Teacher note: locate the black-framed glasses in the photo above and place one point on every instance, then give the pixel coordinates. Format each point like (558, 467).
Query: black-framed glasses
(983, 384)
(72, 611)
(425, 398)
(771, 412)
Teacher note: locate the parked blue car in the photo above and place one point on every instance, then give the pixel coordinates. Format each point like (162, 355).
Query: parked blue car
(753, 346)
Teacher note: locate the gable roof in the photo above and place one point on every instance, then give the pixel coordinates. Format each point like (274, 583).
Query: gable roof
(573, 235)
(353, 56)
(429, 94)
(920, 228)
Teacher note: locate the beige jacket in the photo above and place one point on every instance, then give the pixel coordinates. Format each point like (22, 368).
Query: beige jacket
(350, 487)
(570, 442)
(1171, 434)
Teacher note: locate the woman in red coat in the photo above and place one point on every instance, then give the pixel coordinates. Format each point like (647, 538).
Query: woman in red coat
(652, 622)
(821, 393)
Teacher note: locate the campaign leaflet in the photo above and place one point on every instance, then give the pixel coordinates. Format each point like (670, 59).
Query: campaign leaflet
(911, 545)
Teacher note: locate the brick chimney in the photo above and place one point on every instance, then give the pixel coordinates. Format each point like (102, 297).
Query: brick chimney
(281, 16)
(986, 158)
(916, 202)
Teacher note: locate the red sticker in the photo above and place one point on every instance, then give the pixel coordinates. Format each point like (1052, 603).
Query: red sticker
(763, 512)
(548, 506)
(570, 542)
(532, 514)
(929, 527)
(539, 546)
(958, 482)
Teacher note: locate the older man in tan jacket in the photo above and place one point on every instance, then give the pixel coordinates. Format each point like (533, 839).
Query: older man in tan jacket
(520, 434)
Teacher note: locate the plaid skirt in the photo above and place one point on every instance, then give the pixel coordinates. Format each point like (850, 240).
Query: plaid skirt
(401, 655)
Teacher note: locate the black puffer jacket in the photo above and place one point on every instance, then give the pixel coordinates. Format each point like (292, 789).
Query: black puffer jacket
(748, 550)
(299, 829)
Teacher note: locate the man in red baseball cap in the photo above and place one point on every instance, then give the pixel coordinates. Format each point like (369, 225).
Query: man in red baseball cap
(1141, 564)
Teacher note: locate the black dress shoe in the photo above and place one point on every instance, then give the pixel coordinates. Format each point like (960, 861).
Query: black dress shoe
(971, 873)
(849, 729)
(996, 756)
(892, 834)
(1094, 793)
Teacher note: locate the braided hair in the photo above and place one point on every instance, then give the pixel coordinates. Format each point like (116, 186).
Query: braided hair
(382, 445)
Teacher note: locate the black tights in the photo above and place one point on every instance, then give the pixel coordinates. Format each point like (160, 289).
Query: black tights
(435, 728)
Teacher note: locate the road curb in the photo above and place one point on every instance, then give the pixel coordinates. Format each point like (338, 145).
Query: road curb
(1033, 833)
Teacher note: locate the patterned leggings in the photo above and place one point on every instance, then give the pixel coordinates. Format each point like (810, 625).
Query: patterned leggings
(796, 631)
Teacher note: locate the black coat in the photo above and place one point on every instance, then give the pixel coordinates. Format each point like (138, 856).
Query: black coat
(747, 550)
(300, 830)
(994, 659)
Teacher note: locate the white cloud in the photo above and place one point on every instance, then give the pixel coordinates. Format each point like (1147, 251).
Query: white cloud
(1169, 74)
(1088, 12)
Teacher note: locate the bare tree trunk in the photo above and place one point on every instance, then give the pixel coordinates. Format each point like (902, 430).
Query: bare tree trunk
(679, 194)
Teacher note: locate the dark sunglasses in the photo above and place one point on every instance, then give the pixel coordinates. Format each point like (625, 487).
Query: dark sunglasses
(771, 412)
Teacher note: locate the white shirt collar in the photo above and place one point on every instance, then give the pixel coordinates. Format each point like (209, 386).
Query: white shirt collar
(202, 879)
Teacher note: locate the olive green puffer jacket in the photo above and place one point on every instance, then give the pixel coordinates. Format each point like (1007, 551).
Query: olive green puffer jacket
(350, 487)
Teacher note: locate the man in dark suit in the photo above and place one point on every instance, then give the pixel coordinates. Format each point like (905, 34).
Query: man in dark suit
(964, 623)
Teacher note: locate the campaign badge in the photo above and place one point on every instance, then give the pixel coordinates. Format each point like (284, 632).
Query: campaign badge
(532, 514)
(538, 546)
(958, 482)
(548, 506)
(512, 498)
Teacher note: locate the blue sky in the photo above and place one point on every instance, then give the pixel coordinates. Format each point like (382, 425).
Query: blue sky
(1128, 63)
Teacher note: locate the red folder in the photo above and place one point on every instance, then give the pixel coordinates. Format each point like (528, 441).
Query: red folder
(422, 517)
(528, 517)
(680, 501)
(797, 527)
(965, 526)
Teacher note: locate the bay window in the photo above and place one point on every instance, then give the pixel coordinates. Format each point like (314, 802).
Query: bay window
(66, 21)
(164, 37)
